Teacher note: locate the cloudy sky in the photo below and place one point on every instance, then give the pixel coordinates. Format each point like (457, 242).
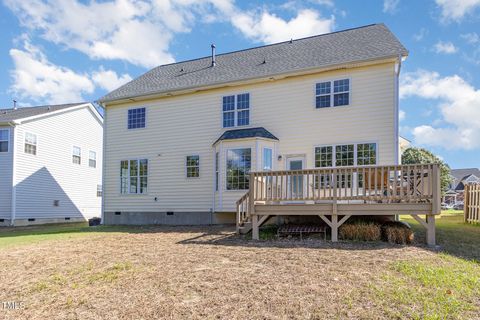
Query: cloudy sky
(56, 51)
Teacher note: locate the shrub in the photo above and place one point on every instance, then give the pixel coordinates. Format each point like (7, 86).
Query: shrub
(360, 231)
(397, 232)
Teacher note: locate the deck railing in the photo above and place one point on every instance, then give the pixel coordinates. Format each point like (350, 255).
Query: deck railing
(385, 184)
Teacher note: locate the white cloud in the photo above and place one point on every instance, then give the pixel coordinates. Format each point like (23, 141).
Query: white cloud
(269, 28)
(401, 115)
(36, 78)
(459, 105)
(420, 34)
(109, 80)
(390, 6)
(455, 10)
(445, 47)
(471, 38)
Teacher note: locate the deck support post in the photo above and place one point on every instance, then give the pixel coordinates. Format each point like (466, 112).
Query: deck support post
(334, 228)
(255, 228)
(431, 230)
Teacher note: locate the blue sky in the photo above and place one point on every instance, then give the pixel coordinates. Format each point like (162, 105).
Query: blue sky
(56, 51)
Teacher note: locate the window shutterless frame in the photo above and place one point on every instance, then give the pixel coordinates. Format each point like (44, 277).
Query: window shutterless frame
(145, 116)
(226, 169)
(75, 156)
(236, 110)
(4, 140)
(30, 143)
(355, 152)
(332, 93)
(191, 166)
(138, 176)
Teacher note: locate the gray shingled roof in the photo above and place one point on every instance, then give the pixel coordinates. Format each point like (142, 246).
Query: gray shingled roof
(360, 44)
(259, 132)
(460, 174)
(7, 115)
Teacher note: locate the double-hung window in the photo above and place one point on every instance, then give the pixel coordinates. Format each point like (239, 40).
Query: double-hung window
(193, 166)
(30, 143)
(238, 169)
(136, 118)
(92, 159)
(236, 110)
(133, 176)
(77, 155)
(332, 93)
(267, 159)
(4, 140)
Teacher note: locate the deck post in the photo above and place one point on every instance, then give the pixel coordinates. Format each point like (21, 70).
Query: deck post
(334, 228)
(431, 230)
(255, 229)
(251, 203)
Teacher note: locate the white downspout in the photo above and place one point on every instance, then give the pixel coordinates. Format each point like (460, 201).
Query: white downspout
(14, 176)
(398, 67)
(104, 161)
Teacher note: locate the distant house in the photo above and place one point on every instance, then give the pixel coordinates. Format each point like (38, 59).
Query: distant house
(50, 164)
(460, 177)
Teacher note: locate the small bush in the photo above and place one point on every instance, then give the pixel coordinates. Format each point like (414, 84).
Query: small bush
(397, 232)
(360, 232)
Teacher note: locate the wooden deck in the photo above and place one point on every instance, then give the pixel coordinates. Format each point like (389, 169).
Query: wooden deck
(336, 194)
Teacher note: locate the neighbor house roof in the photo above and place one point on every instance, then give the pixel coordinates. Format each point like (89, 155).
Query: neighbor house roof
(11, 115)
(460, 175)
(366, 43)
(259, 132)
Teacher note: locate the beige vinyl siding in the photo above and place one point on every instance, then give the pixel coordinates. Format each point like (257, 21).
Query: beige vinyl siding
(189, 124)
(6, 167)
(50, 174)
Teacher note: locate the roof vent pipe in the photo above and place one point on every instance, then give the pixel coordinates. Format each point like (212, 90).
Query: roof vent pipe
(14, 104)
(214, 63)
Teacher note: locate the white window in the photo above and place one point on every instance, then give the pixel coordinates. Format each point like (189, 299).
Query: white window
(30, 143)
(92, 159)
(236, 110)
(136, 118)
(346, 155)
(193, 166)
(99, 190)
(238, 169)
(332, 93)
(77, 155)
(4, 140)
(133, 176)
(267, 159)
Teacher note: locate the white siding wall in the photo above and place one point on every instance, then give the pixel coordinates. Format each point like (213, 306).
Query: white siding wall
(50, 175)
(189, 124)
(6, 178)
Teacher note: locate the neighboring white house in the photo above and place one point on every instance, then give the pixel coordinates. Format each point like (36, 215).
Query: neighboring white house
(50, 164)
(181, 139)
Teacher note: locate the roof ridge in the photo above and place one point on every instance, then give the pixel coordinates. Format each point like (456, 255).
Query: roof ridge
(42, 106)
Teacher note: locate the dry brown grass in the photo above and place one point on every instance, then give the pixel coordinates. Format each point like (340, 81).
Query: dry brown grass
(360, 231)
(188, 273)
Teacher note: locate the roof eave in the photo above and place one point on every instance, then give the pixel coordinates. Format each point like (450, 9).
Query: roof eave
(282, 75)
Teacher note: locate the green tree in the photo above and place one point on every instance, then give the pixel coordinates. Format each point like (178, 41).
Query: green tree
(423, 156)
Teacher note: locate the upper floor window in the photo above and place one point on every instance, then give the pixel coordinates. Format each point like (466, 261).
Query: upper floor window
(77, 155)
(134, 176)
(136, 118)
(193, 166)
(30, 143)
(4, 139)
(92, 159)
(236, 110)
(238, 169)
(332, 93)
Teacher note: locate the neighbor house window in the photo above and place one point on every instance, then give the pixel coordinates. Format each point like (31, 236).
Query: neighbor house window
(238, 169)
(216, 171)
(92, 159)
(4, 140)
(133, 176)
(344, 155)
(366, 154)
(77, 155)
(30, 143)
(99, 190)
(236, 110)
(193, 166)
(267, 159)
(332, 93)
(136, 118)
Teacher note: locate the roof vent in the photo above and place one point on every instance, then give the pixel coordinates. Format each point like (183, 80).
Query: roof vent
(214, 63)
(291, 40)
(14, 104)
(182, 70)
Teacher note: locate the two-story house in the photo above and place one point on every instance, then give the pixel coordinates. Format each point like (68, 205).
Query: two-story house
(181, 139)
(50, 164)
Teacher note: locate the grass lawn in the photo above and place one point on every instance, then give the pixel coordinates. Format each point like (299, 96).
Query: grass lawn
(77, 272)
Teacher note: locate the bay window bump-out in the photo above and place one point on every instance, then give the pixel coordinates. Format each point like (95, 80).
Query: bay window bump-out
(267, 161)
(134, 176)
(238, 165)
